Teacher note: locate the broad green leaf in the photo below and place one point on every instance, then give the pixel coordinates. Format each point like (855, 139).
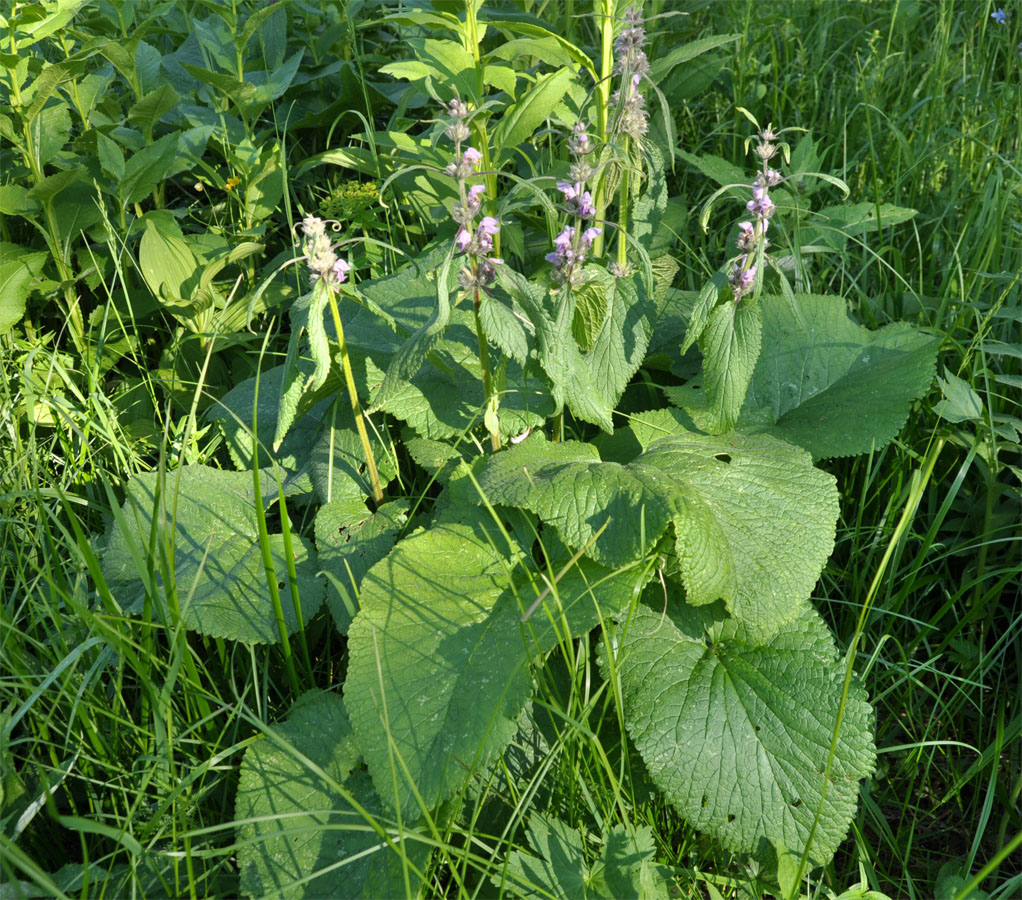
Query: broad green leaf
(547, 49)
(754, 521)
(234, 414)
(503, 78)
(730, 346)
(75, 209)
(50, 132)
(19, 267)
(701, 311)
(53, 184)
(830, 385)
(207, 523)
(306, 315)
(716, 168)
(166, 260)
(853, 219)
(590, 314)
(15, 201)
(650, 205)
(447, 63)
(336, 460)
(55, 16)
(350, 540)
(445, 404)
(153, 107)
(528, 29)
(590, 383)
(409, 358)
(51, 77)
(561, 867)
(662, 66)
(110, 155)
(439, 665)
(301, 834)
(735, 729)
(147, 168)
(961, 403)
(511, 332)
(530, 110)
(565, 868)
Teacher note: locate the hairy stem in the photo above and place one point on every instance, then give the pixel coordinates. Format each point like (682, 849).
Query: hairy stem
(356, 407)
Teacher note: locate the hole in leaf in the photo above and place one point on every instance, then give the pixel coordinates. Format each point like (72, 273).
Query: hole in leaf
(280, 585)
(347, 538)
(796, 803)
(703, 803)
(362, 469)
(695, 387)
(730, 818)
(758, 729)
(723, 457)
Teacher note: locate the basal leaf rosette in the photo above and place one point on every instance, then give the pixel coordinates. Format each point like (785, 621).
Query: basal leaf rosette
(753, 519)
(207, 517)
(300, 832)
(439, 670)
(736, 730)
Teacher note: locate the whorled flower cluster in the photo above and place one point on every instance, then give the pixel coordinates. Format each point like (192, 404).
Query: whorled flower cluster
(752, 235)
(572, 245)
(630, 62)
(474, 240)
(569, 254)
(320, 257)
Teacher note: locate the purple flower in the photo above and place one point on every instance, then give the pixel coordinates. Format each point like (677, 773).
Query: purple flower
(462, 239)
(570, 191)
(590, 235)
(341, 269)
(742, 279)
(746, 236)
(476, 190)
(488, 227)
(1000, 16)
(578, 201)
(472, 157)
(760, 205)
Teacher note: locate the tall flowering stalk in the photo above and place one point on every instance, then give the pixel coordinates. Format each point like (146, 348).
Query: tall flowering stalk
(474, 241)
(631, 120)
(327, 271)
(572, 245)
(752, 239)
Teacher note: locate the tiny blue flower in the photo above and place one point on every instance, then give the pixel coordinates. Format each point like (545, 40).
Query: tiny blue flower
(999, 16)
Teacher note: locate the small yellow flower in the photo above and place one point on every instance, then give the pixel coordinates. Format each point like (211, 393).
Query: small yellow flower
(232, 183)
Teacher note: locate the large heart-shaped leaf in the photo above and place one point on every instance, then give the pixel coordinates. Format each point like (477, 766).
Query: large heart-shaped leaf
(206, 523)
(300, 833)
(754, 521)
(736, 731)
(439, 667)
(824, 382)
(350, 540)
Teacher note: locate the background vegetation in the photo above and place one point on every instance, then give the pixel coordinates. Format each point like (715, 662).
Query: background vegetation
(121, 736)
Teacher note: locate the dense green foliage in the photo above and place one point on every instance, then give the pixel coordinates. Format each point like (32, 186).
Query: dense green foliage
(464, 568)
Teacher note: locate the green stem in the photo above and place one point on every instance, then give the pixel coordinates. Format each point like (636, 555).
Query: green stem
(484, 361)
(622, 212)
(267, 556)
(356, 408)
(603, 109)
